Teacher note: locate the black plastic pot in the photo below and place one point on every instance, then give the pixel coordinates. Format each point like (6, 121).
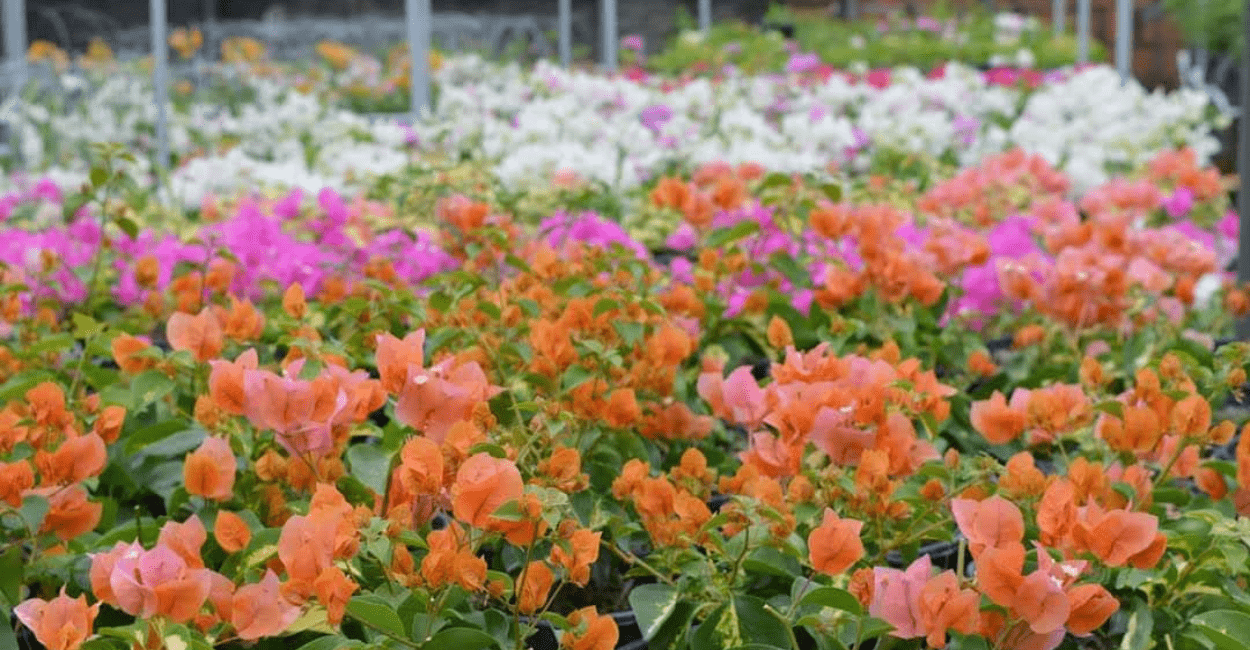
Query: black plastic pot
(785, 29)
(943, 555)
(665, 255)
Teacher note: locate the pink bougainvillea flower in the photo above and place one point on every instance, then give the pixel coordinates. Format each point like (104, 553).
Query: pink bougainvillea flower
(158, 582)
(260, 610)
(896, 597)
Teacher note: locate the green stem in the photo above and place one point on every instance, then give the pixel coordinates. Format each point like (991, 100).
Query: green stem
(633, 559)
(794, 642)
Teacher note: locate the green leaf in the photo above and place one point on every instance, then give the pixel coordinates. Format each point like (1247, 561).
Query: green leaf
(1140, 626)
(34, 509)
(722, 236)
(756, 623)
(461, 638)
(140, 439)
(98, 176)
(834, 598)
(8, 639)
(652, 605)
(149, 387)
(128, 226)
(371, 464)
(11, 577)
(86, 326)
(376, 613)
(606, 305)
(1225, 627)
(331, 642)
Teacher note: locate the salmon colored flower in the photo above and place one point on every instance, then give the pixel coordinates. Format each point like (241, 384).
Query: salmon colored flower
(47, 405)
(334, 589)
(834, 545)
(108, 425)
(15, 478)
(70, 513)
(999, 573)
(1041, 602)
(260, 610)
(226, 382)
(209, 471)
(482, 485)
(200, 334)
(1056, 512)
(1119, 537)
(231, 532)
(533, 587)
(896, 597)
(433, 400)
(62, 623)
(582, 551)
(420, 468)
(944, 606)
(994, 522)
(186, 539)
(126, 349)
(394, 357)
(1091, 606)
(591, 631)
(158, 582)
(293, 301)
(996, 420)
(76, 459)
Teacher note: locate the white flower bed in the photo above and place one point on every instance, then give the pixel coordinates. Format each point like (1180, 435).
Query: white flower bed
(532, 123)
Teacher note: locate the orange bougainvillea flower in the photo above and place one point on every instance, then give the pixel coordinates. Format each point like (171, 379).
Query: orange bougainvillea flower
(15, 478)
(1091, 606)
(126, 349)
(200, 334)
(1041, 602)
(62, 623)
(232, 533)
(226, 382)
(259, 610)
(994, 522)
(70, 513)
(1119, 537)
(108, 425)
(581, 552)
(482, 484)
(533, 587)
(996, 420)
(47, 405)
(420, 469)
(590, 631)
(293, 301)
(334, 589)
(186, 539)
(394, 356)
(76, 459)
(944, 606)
(209, 471)
(834, 545)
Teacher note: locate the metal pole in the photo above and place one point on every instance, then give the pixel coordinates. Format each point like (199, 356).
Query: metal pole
(1059, 15)
(705, 15)
(160, 78)
(852, 9)
(1243, 169)
(1082, 31)
(15, 39)
(608, 23)
(1124, 39)
(566, 33)
(419, 48)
